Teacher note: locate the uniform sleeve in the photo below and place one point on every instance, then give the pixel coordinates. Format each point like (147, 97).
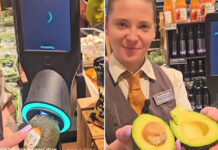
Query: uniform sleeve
(180, 91)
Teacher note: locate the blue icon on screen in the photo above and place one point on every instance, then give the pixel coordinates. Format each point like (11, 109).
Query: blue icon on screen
(50, 17)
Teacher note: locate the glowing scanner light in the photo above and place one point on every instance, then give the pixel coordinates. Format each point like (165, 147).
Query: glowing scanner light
(216, 33)
(47, 47)
(35, 106)
(50, 17)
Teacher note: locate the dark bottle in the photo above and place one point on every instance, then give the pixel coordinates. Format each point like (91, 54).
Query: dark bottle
(200, 49)
(205, 93)
(182, 46)
(203, 45)
(192, 99)
(179, 67)
(193, 70)
(198, 95)
(186, 73)
(203, 41)
(174, 45)
(190, 42)
(200, 68)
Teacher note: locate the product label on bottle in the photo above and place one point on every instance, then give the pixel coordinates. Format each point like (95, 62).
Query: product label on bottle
(203, 45)
(181, 14)
(182, 47)
(193, 105)
(174, 53)
(174, 48)
(195, 14)
(206, 8)
(198, 101)
(191, 46)
(168, 17)
(200, 49)
(206, 100)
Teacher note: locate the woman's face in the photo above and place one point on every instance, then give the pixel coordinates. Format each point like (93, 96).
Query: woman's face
(131, 29)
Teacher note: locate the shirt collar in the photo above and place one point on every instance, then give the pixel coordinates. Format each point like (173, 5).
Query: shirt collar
(148, 69)
(116, 69)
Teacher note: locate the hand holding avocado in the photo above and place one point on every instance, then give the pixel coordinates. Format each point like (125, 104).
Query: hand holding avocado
(211, 112)
(152, 141)
(124, 136)
(16, 138)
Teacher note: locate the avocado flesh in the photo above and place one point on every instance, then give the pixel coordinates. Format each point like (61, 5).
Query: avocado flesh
(138, 138)
(192, 128)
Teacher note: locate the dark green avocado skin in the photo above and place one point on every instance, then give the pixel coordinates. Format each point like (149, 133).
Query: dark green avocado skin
(134, 146)
(50, 131)
(207, 147)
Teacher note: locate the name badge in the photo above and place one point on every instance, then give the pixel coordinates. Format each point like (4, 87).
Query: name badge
(164, 97)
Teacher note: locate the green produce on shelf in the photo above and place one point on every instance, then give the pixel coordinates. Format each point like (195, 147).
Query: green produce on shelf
(157, 57)
(7, 37)
(9, 68)
(6, 18)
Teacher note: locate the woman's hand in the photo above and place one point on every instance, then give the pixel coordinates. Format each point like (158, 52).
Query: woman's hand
(211, 112)
(124, 136)
(15, 138)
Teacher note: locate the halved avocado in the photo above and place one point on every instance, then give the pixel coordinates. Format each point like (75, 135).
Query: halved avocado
(151, 133)
(193, 129)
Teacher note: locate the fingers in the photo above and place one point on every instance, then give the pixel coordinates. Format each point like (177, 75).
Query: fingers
(124, 136)
(178, 145)
(211, 112)
(214, 147)
(16, 138)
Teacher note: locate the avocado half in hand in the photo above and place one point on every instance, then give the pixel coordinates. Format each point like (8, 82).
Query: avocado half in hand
(193, 129)
(151, 133)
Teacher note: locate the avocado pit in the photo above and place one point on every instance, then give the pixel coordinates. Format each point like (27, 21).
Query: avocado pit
(155, 133)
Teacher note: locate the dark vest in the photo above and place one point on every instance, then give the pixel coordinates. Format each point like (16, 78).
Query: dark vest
(118, 111)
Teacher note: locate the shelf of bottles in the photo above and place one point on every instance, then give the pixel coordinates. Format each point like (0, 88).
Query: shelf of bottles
(186, 44)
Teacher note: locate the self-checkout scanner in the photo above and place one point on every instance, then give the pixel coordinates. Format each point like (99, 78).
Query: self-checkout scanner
(48, 44)
(211, 35)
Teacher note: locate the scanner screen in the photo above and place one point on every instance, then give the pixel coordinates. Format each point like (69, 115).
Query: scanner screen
(46, 25)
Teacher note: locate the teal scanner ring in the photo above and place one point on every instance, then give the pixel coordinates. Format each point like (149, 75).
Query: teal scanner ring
(63, 116)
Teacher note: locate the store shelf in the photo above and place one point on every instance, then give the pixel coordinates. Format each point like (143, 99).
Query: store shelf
(176, 61)
(170, 27)
(174, 26)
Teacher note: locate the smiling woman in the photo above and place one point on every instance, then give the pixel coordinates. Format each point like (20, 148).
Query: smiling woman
(133, 84)
(130, 78)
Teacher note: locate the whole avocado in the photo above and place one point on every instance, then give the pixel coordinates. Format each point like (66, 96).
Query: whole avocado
(50, 131)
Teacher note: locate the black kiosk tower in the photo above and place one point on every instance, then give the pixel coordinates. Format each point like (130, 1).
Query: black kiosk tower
(211, 31)
(48, 43)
